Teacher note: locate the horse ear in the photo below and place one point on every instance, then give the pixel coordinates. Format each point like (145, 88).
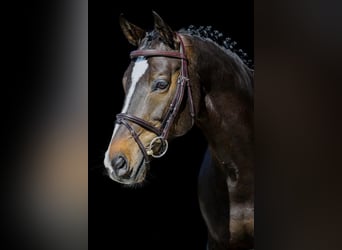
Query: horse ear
(133, 33)
(164, 30)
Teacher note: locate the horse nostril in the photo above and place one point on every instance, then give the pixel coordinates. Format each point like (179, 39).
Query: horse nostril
(120, 166)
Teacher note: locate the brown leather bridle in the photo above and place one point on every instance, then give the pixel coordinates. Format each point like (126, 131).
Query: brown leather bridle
(183, 84)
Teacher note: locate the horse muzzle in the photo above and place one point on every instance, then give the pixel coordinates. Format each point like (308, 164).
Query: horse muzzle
(121, 170)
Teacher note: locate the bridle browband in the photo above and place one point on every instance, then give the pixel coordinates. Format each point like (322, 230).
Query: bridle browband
(162, 132)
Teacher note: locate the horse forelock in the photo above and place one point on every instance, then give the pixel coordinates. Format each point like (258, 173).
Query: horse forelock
(152, 41)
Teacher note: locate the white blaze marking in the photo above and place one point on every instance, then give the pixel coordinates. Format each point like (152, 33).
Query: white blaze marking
(138, 71)
(106, 162)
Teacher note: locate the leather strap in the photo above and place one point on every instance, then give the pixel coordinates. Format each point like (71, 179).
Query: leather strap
(153, 52)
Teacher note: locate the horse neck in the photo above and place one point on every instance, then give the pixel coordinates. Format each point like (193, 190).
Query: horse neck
(225, 108)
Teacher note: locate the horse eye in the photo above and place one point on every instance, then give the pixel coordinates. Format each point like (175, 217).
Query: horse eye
(160, 84)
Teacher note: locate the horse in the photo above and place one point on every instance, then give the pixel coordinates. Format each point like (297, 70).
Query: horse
(177, 80)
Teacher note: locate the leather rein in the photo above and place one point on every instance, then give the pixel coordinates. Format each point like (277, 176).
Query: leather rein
(183, 84)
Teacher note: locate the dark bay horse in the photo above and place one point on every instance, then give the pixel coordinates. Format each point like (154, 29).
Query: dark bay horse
(177, 80)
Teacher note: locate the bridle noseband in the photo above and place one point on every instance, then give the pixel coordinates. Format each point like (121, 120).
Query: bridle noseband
(183, 84)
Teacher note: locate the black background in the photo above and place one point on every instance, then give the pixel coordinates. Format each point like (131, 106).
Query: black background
(164, 213)
(297, 48)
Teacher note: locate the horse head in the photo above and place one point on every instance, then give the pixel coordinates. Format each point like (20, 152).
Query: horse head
(155, 109)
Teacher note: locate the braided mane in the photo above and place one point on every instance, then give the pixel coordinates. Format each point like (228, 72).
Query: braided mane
(217, 37)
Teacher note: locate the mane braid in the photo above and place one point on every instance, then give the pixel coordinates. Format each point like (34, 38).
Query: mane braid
(226, 42)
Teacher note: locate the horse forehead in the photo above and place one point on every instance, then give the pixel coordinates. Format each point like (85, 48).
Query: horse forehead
(160, 63)
(137, 69)
(140, 66)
